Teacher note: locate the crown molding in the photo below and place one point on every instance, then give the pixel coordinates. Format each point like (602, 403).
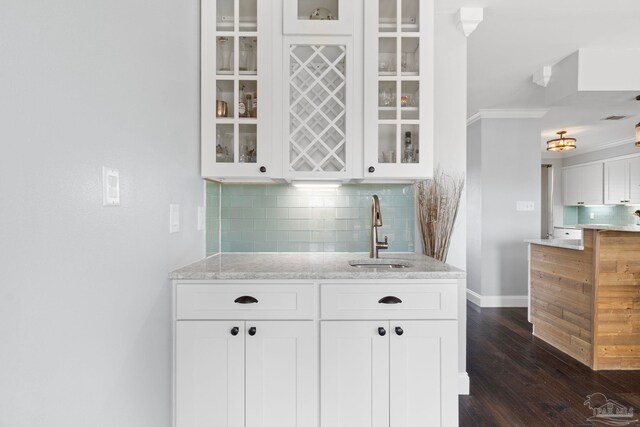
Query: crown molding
(508, 113)
(600, 147)
(469, 18)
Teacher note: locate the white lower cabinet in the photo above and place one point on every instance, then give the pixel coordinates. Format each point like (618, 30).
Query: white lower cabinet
(389, 373)
(245, 374)
(308, 354)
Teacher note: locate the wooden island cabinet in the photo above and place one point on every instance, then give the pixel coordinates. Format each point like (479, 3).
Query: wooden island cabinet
(585, 296)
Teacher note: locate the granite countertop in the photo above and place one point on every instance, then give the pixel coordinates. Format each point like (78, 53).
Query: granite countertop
(604, 227)
(311, 266)
(575, 244)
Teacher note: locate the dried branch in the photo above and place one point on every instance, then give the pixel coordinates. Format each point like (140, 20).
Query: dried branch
(437, 203)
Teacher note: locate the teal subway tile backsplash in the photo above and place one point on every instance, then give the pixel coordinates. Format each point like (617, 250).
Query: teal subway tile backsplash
(280, 218)
(605, 214)
(213, 218)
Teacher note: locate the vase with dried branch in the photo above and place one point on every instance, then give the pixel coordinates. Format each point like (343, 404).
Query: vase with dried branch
(437, 202)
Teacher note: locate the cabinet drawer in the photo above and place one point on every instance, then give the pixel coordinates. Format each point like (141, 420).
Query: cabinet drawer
(567, 233)
(389, 301)
(244, 301)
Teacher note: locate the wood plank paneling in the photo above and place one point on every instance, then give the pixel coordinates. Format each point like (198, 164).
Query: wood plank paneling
(562, 297)
(587, 303)
(617, 301)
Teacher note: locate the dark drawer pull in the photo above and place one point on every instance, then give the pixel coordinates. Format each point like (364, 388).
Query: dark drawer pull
(390, 300)
(246, 299)
(252, 330)
(382, 332)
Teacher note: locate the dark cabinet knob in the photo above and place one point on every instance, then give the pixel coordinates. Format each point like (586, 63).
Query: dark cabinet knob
(252, 330)
(235, 330)
(263, 169)
(399, 330)
(390, 300)
(382, 332)
(372, 169)
(245, 299)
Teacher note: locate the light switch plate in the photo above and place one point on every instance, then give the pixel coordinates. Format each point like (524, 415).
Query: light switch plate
(200, 218)
(110, 187)
(174, 218)
(524, 206)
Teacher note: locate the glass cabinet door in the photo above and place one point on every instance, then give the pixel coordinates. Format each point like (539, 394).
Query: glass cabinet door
(398, 89)
(233, 126)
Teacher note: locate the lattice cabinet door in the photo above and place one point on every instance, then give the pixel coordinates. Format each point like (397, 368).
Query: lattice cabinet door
(399, 88)
(317, 115)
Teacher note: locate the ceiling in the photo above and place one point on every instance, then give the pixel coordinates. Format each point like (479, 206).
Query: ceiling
(518, 37)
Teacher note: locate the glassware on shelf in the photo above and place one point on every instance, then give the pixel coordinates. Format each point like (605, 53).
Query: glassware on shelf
(225, 49)
(221, 109)
(385, 98)
(404, 62)
(389, 156)
(243, 55)
(252, 60)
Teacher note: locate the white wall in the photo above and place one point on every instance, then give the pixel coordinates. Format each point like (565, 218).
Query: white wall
(509, 171)
(84, 298)
(450, 148)
(474, 207)
(556, 168)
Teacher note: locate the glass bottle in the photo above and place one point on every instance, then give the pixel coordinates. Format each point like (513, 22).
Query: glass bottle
(242, 107)
(249, 104)
(408, 149)
(254, 106)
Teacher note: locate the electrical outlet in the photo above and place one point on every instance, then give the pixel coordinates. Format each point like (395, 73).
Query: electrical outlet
(592, 215)
(200, 218)
(110, 187)
(524, 206)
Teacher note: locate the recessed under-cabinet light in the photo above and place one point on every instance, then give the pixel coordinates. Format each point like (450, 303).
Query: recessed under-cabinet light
(316, 184)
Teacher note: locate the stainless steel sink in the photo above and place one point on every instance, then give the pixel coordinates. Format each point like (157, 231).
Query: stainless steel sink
(380, 263)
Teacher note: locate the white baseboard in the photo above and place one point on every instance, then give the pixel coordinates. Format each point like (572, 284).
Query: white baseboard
(497, 300)
(463, 383)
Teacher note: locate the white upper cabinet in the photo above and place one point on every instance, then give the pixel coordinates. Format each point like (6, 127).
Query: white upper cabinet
(616, 182)
(398, 97)
(318, 17)
(583, 185)
(317, 89)
(235, 73)
(622, 181)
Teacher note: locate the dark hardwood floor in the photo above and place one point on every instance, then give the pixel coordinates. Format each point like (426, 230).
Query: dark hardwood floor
(519, 380)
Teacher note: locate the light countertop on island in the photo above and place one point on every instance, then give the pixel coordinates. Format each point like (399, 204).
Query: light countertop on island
(311, 266)
(575, 244)
(605, 227)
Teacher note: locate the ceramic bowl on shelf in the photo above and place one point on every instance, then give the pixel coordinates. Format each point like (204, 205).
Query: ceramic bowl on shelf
(322, 14)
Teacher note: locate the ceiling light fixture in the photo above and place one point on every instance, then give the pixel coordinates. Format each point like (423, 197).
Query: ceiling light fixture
(562, 143)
